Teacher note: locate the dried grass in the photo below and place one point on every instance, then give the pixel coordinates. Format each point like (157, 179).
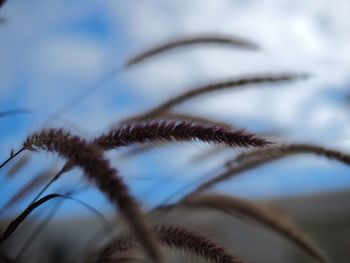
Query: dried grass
(258, 213)
(159, 131)
(251, 160)
(190, 41)
(95, 167)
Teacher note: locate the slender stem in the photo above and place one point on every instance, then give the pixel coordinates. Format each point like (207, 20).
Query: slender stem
(12, 156)
(47, 186)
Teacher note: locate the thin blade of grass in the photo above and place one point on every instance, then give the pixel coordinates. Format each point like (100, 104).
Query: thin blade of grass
(26, 189)
(11, 228)
(14, 111)
(19, 220)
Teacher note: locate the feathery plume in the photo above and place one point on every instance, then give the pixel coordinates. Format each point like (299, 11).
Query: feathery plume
(216, 86)
(180, 238)
(117, 246)
(164, 131)
(188, 41)
(167, 116)
(259, 214)
(78, 152)
(159, 131)
(280, 151)
(247, 161)
(176, 238)
(228, 174)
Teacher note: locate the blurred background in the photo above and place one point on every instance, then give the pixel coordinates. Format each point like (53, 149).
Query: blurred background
(52, 52)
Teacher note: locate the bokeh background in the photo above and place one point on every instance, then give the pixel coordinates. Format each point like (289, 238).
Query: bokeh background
(53, 51)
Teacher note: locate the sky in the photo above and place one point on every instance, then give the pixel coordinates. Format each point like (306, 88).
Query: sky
(52, 51)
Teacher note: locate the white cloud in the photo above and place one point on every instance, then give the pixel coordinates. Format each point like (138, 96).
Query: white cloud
(297, 36)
